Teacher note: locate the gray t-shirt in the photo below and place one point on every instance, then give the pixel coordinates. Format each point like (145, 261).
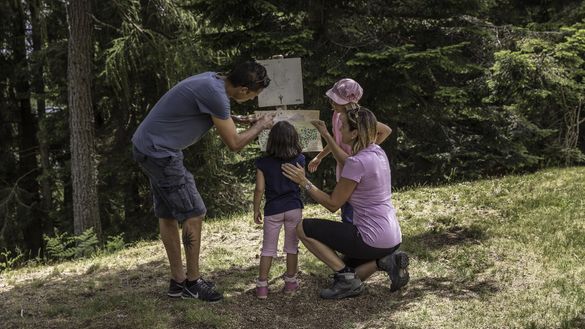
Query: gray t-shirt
(182, 116)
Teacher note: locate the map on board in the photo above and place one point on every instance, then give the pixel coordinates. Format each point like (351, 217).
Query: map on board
(286, 82)
(309, 135)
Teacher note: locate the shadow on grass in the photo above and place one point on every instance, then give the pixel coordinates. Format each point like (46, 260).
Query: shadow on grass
(449, 236)
(105, 297)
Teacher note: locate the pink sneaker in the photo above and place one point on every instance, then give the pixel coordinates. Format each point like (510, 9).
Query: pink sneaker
(291, 285)
(262, 289)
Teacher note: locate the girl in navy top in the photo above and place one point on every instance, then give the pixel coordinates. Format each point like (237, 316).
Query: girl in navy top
(283, 204)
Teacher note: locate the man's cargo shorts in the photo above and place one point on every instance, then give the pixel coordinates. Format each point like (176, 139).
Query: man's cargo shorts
(173, 187)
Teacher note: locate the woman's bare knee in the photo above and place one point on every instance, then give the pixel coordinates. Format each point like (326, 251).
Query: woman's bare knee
(300, 231)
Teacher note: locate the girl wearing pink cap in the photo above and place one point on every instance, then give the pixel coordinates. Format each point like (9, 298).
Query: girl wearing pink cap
(344, 95)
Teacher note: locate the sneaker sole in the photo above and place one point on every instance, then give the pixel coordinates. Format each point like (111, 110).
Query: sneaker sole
(401, 278)
(352, 293)
(196, 296)
(175, 295)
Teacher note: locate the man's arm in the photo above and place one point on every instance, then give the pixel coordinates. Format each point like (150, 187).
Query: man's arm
(236, 141)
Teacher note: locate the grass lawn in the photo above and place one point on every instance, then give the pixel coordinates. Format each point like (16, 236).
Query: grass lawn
(501, 253)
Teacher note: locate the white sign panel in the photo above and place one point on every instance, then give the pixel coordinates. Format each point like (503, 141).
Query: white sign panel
(286, 82)
(309, 135)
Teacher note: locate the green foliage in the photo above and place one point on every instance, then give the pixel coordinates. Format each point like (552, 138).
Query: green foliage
(542, 81)
(478, 250)
(63, 246)
(470, 88)
(11, 259)
(115, 243)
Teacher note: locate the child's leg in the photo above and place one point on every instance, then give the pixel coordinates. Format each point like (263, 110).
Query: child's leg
(271, 228)
(292, 261)
(291, 242)
(347, 213)
(265, 263)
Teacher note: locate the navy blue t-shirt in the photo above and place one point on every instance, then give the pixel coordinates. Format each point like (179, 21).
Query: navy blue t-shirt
(281, 193)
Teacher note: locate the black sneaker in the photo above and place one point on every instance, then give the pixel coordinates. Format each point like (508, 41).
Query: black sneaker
(175, 289)
(396, 265)
(201, 289)
(344, 285)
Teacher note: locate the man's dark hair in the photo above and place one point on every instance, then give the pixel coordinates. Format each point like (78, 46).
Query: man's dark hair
(249, 74)
(283, 142)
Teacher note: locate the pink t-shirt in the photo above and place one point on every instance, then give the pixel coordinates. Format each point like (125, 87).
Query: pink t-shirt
(336, 124)
(373, 213)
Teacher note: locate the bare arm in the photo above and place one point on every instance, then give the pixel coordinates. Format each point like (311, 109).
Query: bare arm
(340, 195)
(325, 152)
(338, 153)
(314, 164)
(236, 141)
(383, 131)
(258, 192)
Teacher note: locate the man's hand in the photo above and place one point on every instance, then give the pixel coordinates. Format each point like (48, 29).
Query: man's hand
(245, 119)
(265, 121)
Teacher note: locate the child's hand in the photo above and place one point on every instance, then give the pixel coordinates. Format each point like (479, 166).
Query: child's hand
(321, 127)
(257, 218)
(314, 164)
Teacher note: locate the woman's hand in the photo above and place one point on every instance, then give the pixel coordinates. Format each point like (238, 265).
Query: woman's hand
(296, 173)
(321, 127)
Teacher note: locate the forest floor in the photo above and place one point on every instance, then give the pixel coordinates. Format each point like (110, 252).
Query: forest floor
(498, 253)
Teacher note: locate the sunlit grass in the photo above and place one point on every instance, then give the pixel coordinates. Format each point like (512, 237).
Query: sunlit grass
(501, 253)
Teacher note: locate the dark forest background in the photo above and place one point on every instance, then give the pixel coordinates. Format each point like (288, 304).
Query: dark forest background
(471, 88)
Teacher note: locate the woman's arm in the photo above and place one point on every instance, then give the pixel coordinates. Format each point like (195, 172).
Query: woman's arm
(340, 195)
(258, 192)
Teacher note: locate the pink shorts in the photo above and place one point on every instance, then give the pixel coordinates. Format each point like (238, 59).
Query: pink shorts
(272, 225)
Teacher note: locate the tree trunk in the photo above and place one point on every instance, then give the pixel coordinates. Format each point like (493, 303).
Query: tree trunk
(28, 213)
(38, 87)
(81, 119)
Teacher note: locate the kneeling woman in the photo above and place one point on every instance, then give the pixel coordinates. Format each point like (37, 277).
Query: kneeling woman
(372, 241)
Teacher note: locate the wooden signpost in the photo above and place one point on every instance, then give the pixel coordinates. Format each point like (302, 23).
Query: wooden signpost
(286, 88)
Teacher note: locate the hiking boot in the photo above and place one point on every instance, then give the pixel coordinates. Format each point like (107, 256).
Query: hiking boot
(396, 265)
(201, 289)
(291, 285)
(175, 288)
(261, 289)
(344, 285)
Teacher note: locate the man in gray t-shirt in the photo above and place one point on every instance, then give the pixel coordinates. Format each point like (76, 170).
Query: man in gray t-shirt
(179, 119)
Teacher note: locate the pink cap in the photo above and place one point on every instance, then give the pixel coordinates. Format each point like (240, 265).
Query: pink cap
(345, 91)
